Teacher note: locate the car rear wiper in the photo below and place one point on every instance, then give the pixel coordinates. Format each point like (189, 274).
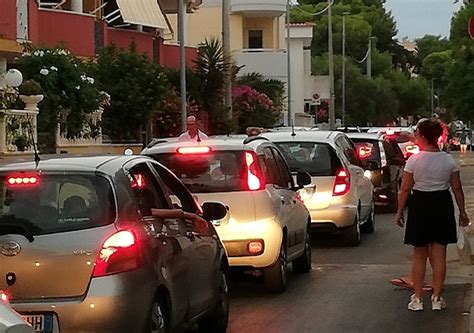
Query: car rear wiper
(10, 224)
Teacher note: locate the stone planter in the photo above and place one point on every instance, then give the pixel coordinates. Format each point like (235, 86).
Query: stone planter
(31, 101)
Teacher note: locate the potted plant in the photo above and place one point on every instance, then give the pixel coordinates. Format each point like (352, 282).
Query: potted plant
(22, 142)
(30, 94)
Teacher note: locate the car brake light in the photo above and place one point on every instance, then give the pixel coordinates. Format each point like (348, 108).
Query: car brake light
(413, 149)
(254, 182)
(342, 184)
(119, 253)
(364, 151)
(4, 297)
(194, 150)
(22, 180)
(390, 132)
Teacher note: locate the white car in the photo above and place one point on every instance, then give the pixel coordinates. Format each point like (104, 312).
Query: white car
(267, 225)
(10, 320)
(340, 198)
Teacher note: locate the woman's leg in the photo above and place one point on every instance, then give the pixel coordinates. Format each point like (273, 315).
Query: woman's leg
(438, 264)
(420, 254)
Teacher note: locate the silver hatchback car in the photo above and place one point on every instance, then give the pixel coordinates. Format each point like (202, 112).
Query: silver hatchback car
(340, 197)
(80, 250)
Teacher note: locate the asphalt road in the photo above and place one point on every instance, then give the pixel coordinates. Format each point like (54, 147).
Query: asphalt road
(349, 291)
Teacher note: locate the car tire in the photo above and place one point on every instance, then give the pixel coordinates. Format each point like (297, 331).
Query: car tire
(159, 316)
(302, 264)
(217, 319)
(369, 226)
(352, 234)
(275, 276)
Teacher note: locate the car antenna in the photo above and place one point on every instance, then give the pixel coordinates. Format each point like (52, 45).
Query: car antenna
(293, 128)
(35, 147)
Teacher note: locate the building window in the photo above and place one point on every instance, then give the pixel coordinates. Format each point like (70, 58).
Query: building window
(255, 39)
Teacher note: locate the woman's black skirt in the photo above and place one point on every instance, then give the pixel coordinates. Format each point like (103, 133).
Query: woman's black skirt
(430, 219)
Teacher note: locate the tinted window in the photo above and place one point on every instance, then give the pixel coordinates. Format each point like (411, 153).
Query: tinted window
(285, 174)
(348, 150)
(57, 203)
(319, 159)
(146, 190)
(218, 171)
(271, 169)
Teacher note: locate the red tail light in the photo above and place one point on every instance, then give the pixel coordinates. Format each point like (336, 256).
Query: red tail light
(254, 181)
(22, 180)
(4, 297)
(364, 151)
(342, 184)
(119, 253)
(194, 150)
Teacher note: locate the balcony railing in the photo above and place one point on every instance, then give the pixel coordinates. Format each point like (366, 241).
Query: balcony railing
(270, 8)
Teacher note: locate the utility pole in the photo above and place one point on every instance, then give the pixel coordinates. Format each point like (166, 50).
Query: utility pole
(432, 96)
(182, 62)
(344, 68)
(332, 99)
(288, 63)
(227, 65)
(369, 59)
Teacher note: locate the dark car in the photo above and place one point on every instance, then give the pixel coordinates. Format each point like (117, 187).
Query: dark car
(80, 249)
(383, 160)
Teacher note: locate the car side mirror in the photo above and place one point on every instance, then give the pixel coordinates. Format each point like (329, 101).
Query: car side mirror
(372, 166)
(213, 211)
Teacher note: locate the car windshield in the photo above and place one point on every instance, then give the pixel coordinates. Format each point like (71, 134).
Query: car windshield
(318, 159)
(216, 171)
(54, 203)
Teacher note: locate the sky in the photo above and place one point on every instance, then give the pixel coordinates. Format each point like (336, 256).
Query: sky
(416, 18)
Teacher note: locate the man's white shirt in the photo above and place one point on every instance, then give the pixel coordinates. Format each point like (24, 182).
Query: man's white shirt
(186, 137)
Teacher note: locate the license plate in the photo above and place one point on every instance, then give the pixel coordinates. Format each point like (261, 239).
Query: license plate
(40, 323)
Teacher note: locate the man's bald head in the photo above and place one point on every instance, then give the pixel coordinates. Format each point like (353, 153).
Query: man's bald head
(191, 120)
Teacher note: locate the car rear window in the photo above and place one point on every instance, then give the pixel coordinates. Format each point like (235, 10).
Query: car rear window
(216, 171)
(368, 150)
(318, 159)
(55, 203)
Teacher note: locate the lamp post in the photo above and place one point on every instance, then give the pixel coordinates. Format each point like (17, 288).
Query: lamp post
(288, 62)
(369, 58)
(182, 62)
(344, 67)
(332, 107)
(226, 52)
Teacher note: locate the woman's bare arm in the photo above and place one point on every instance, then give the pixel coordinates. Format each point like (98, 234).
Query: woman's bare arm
(405, 189)
(456, 186)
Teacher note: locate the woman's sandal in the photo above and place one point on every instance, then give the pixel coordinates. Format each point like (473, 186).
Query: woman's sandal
(403, 283)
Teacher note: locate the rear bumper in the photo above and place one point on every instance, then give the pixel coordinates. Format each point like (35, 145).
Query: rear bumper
(333, 217)
(118, 303)
(267, 230)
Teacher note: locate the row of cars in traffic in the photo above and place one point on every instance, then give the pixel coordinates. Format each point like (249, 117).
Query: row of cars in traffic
(82, 248)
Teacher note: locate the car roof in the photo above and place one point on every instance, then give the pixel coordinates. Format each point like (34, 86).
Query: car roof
(221, 142)
(394, 128)
(105, 164)
(367, 136)
(299, 136)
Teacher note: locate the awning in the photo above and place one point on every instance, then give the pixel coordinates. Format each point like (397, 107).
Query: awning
(143, 12)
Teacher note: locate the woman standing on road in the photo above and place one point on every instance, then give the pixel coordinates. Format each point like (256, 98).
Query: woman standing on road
(431, 223)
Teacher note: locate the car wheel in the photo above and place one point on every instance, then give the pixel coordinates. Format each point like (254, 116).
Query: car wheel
(218, 318)
(369, 226)
(275, 276)
(159, 322)
(352, 234)
(302, 264)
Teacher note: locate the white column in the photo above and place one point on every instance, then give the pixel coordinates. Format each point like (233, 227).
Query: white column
(77, 6)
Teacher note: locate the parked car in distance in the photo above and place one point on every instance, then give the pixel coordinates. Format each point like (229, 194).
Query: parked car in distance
(404, 136)
(10, 320)
(383, 160)
(340, 197)
(80, 249)
(268, 225)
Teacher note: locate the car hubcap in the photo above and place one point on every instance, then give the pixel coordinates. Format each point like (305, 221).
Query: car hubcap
(157, 319)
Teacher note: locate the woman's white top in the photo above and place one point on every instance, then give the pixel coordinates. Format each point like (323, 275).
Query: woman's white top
(431, 170)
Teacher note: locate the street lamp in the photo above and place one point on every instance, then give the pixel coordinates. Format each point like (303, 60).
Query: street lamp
(344, 67)
(12, 78)
(288, 63)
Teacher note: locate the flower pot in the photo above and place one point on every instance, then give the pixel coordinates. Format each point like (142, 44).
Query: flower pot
(31, 101)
